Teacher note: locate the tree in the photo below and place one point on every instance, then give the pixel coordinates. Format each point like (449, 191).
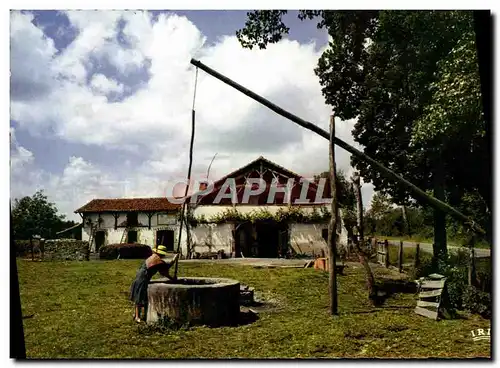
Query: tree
(379, 68)
(35, 215)
(455, 120)
(380, 205)
(345, 192)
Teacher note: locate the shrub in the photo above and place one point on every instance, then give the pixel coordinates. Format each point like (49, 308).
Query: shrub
(477, 301)
(125, 251)
(22, 247)
(461, 295)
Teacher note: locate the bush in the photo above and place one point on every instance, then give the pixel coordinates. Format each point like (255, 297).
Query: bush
(125, 251)
(477, 301)
(461, 295)
(22, 248)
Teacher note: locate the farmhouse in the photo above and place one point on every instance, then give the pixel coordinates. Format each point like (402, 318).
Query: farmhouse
(261, 210)
(130, 220)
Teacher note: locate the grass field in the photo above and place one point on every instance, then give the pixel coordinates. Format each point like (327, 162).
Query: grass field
(419, 239)
(81, 310)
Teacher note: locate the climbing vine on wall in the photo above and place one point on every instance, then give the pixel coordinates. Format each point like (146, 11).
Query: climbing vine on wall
(293, 214)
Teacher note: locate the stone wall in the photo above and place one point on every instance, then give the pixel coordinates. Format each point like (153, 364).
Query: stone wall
(66, 249)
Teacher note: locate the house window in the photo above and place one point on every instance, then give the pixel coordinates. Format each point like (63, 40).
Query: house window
(132, 237)
(132, 219)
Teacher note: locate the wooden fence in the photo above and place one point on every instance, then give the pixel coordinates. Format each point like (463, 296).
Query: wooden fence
(383, 258)
(381, 249)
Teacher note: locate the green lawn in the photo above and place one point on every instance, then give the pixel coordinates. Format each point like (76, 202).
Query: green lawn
(81, 310)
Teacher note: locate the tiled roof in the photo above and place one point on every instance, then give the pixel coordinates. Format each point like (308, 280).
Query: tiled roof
(129, 204)
(266, 162)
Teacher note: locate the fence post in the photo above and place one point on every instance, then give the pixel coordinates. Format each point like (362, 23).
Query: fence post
(417, 255)
(400, 257)
(472, 267)
(386, 250)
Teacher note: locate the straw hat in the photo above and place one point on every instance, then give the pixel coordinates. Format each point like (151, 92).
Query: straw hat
(160, 249)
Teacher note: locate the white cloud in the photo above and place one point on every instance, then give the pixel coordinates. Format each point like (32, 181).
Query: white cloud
(31, 57)
(20, 157)
(155, 120)
(101, 84)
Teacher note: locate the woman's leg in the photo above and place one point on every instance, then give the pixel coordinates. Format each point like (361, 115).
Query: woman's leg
(137, 316)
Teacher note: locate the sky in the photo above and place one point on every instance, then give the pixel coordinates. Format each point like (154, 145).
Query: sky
(100, 102)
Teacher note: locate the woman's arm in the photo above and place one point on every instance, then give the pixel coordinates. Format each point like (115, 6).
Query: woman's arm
(164, 270)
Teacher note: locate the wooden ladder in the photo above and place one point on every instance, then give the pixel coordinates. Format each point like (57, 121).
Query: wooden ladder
(92, 236)
(124, 235)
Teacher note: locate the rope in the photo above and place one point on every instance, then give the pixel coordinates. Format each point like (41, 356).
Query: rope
(195, 84)
(183, 210)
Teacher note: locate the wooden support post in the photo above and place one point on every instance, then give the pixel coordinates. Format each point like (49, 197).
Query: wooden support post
(472, 266)
(386, 251)
(32, 250)
(332, 228)
(417, 256)
(116, 215)
(150, 215)
(400, 257)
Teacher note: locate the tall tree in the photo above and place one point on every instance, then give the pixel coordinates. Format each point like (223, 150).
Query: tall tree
(379, 68)
(35, 215)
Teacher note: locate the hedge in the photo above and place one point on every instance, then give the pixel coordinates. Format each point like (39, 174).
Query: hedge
(125, 251)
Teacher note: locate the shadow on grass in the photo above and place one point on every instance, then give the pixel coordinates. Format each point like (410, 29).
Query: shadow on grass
(166, 325)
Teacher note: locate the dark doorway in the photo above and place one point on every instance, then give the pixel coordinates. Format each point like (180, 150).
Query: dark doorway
(132, 237)
(100, 236)
(166, 238)
(266, 239)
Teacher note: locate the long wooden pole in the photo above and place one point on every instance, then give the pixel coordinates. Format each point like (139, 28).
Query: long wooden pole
(183, 210)
(417, 192)
(332, 228)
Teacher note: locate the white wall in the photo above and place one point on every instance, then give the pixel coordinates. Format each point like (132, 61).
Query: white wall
(144, 234)
(308, 239)
(213, 237)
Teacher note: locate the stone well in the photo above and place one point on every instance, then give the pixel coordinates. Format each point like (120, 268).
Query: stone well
(194, 300)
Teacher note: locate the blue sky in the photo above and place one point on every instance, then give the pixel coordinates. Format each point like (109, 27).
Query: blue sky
(100, 101)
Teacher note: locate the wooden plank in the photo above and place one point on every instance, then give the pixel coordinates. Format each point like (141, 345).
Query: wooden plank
(429, 294)
(423, 303)
(433, 284)
(426, 313)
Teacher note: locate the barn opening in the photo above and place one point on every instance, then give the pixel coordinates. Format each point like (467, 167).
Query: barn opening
(262, 239)
(166, 238)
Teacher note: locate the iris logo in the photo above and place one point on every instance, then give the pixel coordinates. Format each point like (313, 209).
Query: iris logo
(480, 334)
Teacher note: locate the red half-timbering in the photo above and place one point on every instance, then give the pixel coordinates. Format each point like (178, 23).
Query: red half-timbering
(272, 175)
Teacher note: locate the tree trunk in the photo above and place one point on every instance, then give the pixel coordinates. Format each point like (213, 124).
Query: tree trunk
(439, 247)
(359, 241)
(332, 227)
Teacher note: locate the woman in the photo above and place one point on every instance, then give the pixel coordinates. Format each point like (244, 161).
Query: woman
(152, 265)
